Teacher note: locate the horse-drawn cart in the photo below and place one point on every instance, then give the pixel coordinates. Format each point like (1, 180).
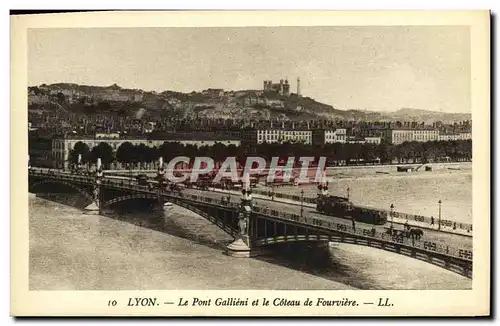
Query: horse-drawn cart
(407, 232)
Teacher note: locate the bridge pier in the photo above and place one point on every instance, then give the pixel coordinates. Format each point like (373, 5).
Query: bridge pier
(242, 246)
(94, 208)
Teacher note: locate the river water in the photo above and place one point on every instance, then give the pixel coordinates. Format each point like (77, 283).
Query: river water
(70, 250)
(414, 193)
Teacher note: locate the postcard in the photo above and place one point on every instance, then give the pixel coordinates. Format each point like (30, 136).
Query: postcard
(246, 163)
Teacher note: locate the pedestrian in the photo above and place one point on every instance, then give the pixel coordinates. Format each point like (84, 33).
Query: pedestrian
(454, 225)
(353, 224)
(432, 220)
(407, 226)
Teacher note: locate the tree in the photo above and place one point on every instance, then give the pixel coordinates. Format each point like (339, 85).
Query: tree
(82, 149)
(125, 153)
(104, 151)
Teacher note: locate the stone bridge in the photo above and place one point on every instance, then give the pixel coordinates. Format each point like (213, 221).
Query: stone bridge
(254, 227)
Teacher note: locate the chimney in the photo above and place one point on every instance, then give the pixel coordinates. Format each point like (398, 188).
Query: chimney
(298, 86)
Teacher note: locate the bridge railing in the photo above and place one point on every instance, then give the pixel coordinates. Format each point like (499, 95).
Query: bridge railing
(310, 200)
(72, 177)
(319, 222)
(406, 216)
(368, 233)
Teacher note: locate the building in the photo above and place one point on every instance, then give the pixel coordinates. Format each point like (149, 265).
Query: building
(340, 136)
(197, 139)
(38, 99)
(455, 136)
(448, 137)
(61, 147)
(252, 100)
(424, 135)
(373, 140)
(274, 103)
(355, 140)
(137, 97)
(335, 136)
(329, 136)
(465, 135)
(399, 136)
(395, 136)
(280, 136)
(282, 88)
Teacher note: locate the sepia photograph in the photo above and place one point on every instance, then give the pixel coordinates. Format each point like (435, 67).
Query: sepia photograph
(286, 157)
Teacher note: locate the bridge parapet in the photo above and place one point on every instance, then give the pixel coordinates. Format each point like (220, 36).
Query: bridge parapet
(321, 222)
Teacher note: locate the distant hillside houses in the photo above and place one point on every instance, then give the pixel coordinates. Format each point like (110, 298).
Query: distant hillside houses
(274, 97)
(252, 100)
(213, 92)
(72, 93)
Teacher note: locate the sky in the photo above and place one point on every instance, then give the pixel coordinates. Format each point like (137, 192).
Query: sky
(365, 68)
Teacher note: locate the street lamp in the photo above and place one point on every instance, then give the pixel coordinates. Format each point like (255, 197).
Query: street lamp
(439, 217)
(392, 219)
(301, 202)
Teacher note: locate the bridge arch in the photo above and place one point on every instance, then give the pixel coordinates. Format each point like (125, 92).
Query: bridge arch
(83, 192)
(129, 197)
(184, 203)
(442, 261)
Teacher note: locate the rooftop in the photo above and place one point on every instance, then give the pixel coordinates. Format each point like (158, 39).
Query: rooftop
(154, 136)
(190, 136)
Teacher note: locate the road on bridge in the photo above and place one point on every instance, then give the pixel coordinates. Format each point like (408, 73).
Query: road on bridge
(444, 238)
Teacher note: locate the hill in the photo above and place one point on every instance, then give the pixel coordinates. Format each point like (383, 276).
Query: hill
(211, 103)
(409, 114)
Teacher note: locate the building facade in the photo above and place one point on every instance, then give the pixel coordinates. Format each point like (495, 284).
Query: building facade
(373, 140)
(335, 136)
(448, 137)
(465, 136)
(61, 147)
(455, 136)
(321, 136)
(399, 136)
(272, 136)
